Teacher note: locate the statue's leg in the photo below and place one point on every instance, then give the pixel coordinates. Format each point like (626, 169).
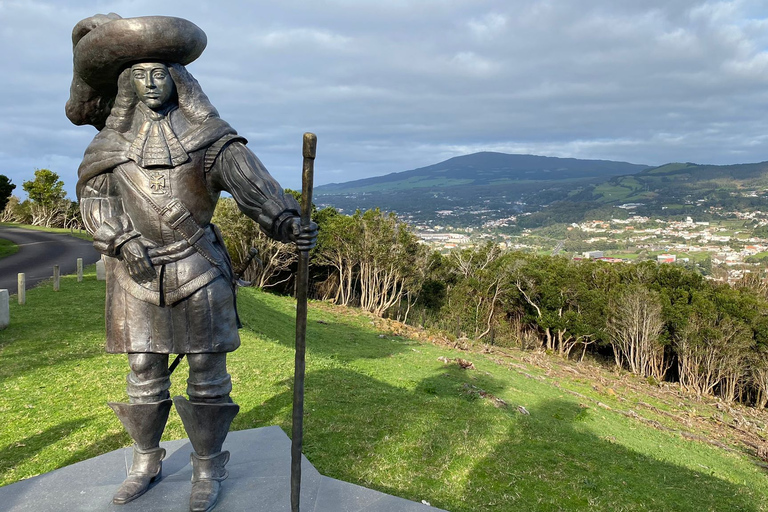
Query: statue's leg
(144, 419)
(206, 417)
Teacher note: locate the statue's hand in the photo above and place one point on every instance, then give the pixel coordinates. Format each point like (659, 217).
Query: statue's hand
(139, 266)
(305, 237)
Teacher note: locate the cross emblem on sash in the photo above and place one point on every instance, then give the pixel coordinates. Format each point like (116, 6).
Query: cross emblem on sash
(157, 183)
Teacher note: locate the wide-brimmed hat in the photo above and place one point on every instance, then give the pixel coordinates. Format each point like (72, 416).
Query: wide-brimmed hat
(103, 45)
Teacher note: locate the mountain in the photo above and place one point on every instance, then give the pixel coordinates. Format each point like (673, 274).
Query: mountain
(485, 168)
(497, 183)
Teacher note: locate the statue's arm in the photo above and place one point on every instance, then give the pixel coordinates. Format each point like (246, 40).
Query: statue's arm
(103, 215)
(258, 195)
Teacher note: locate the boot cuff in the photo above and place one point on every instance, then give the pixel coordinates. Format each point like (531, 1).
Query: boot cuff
(209, 468)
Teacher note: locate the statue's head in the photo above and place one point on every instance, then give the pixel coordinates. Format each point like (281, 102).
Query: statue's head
(106, 49)
(152, 84)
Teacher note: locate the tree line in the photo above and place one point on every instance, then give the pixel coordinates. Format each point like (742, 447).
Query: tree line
(47, 204)
(662, 322)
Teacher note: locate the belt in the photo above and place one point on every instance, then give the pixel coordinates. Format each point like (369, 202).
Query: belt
(177, 250)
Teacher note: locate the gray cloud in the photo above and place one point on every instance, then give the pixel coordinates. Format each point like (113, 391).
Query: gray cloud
(397, 86)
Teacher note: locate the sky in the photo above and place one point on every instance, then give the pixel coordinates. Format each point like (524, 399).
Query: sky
(393, 85)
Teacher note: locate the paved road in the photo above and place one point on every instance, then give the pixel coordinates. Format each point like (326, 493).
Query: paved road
(38, 253)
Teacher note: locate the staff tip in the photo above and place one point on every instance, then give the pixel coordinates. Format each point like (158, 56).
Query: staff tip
(310, 145)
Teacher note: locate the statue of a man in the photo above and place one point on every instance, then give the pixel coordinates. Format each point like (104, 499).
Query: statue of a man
(148, 186)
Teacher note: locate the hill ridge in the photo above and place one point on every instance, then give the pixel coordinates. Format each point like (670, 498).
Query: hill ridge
(496, 166)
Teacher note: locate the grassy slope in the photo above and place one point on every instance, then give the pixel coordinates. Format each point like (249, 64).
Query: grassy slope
(7, 248)
(384, 412)
(670, 182)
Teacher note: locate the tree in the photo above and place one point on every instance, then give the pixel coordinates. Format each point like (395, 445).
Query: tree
(338, 250)
(716, 342)
(16, 211)
(712, 352)
(47, 198)
(371, 258)
(46, 189)
(391, 261)
(555, 297)
(6, 189)
(241, 234)
(477, 287)
(634, 326)
(758, 375)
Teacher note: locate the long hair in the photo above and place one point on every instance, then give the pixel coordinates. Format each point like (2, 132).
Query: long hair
(193, 103)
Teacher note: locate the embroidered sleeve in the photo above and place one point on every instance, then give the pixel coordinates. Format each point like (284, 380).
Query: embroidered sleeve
(103, 216)
(238, 171)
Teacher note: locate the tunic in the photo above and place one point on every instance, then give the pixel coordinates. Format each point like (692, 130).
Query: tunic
(190, 306)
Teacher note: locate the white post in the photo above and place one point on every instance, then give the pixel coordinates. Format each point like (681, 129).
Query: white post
(56, 278)
(5, 309)
(22, 288)
(79, 270)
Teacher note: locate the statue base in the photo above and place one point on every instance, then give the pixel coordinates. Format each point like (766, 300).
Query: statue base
(259, 481)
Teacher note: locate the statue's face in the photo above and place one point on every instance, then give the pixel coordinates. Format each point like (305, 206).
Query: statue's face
(152, 83)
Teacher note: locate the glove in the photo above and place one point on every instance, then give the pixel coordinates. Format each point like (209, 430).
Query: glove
(134, 255)
(305, 237)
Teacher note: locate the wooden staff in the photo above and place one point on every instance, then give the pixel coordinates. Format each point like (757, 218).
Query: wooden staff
(302, 288)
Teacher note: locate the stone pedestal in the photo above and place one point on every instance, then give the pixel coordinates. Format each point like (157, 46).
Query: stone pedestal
(259, 481)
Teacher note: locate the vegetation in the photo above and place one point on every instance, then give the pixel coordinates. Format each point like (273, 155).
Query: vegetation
(7, 248)
(657, 321)
(47, 205)
(6, 189)
(401, 416)
(369, 259)
(241, 235)
(696, 188)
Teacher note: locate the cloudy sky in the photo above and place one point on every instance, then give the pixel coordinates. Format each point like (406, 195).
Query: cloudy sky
(391, 85)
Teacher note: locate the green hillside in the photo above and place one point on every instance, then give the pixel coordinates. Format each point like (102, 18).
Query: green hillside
(676, 189)
(683, 183)
(400, 415)
(487, 180)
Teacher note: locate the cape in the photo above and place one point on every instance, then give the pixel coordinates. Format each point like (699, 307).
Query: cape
(109, 148)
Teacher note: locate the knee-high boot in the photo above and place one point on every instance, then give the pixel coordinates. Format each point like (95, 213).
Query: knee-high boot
(207, 425)
(145, 424)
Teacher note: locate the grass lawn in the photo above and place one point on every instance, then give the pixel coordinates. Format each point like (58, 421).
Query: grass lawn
(7, 248)
(381, 411)
(734, 224)
(622, 254)
(695, 256)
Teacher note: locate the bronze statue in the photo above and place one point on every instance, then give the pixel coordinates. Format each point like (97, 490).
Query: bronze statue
(148, 186)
